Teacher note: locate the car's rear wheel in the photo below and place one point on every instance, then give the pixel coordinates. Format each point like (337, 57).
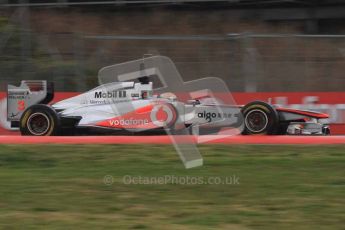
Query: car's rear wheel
(39, 120)
(260, 118)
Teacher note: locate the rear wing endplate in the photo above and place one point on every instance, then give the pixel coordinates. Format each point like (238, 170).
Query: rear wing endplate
(27, 94)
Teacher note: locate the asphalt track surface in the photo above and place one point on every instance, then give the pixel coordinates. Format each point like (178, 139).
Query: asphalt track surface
(215, 139)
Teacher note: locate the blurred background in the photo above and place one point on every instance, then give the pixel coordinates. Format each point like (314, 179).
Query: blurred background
(290, 50)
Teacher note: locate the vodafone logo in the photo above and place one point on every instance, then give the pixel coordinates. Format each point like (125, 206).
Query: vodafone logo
(163, 115)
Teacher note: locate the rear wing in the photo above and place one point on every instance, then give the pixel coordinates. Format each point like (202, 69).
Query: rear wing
(27, 94)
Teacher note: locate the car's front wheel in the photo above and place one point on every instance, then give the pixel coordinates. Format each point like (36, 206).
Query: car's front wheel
(260, 118)
(39, 120)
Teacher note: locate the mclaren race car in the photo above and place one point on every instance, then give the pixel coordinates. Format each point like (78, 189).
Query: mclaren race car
(131, 107)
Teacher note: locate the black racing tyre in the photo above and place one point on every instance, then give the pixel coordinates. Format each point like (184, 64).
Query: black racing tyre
(260, 118)
(39, 120)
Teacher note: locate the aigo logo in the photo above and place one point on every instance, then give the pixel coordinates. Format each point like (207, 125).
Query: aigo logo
(209, 116)
(163, 115)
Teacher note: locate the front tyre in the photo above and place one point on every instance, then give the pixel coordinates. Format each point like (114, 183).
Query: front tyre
(260, 118)
(39, 120)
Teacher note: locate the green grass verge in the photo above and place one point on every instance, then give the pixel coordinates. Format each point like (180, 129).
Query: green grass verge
(280, 187)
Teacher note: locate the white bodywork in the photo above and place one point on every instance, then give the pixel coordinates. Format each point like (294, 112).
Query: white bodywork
(118, 99)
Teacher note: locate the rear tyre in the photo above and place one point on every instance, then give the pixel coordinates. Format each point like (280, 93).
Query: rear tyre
(260, 118)
(39, 120)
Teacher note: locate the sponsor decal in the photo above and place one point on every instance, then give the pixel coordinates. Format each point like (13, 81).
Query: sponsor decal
(18, 94)
(99, 102)
(162, 115)
(113, 94)
(209, 116)
(21, 105)
(106, 102)
(138, 119)
(127, 122)
(13, 115)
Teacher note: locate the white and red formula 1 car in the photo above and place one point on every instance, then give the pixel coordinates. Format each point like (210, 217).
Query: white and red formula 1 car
(131, 107)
